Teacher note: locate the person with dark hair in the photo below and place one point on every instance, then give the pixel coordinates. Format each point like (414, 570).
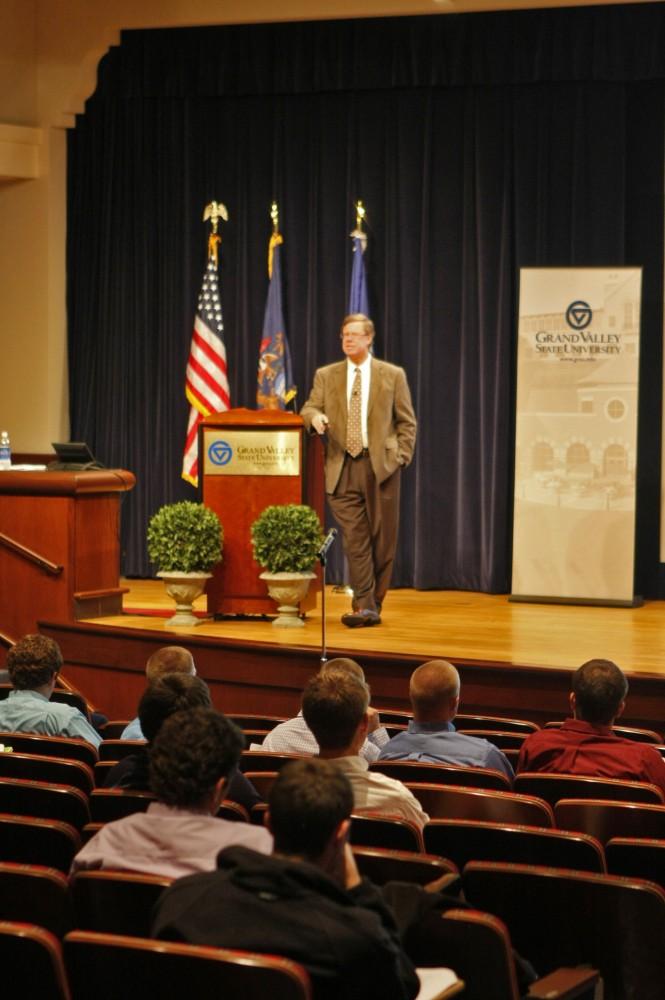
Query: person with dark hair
(166, 695)
(167, 660)
(295, 736)
(586, 744)
(306, 902)
(192, 757)
(362, 408)
(434, 691)
(163, 697)
(334, 706)
(33, 665)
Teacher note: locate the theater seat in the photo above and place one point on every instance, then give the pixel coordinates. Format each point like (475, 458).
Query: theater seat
(51, 746)
(114, 902)
(31, 956)
(442, 774)
(108, 804)
(478, 946)
(38, 841)
(119, 749)
(36, 895)
(471, 840)
(449, 802)
(109, 967)
(553, 787)
(558, 917)
(380, 865)
(44, 799)
(636, 857)
(604, 820)
(377, 830)
(38, 767)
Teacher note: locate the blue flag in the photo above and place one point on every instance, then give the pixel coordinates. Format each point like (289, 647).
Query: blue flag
(275, 380)
(358, 302)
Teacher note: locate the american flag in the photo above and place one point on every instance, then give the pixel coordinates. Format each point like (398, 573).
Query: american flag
(206, 382)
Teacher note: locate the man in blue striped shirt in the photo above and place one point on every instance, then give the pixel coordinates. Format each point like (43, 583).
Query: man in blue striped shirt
(431, 737)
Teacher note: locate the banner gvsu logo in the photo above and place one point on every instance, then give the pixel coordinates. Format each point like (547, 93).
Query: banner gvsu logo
(220, 452)
(579, 315)
(575, 339)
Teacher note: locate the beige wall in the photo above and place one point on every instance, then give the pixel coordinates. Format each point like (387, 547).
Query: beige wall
(49, 52)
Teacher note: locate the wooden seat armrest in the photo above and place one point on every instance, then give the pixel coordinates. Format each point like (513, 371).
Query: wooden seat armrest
(564, 984)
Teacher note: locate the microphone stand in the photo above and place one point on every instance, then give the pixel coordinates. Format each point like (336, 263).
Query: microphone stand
(322, 556)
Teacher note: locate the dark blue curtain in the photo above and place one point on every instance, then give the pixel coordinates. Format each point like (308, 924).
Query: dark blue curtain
(479, 144)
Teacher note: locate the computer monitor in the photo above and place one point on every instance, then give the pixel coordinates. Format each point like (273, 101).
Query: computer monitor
(73, 456)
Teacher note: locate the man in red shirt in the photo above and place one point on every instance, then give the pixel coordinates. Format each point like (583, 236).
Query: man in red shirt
(586, 744)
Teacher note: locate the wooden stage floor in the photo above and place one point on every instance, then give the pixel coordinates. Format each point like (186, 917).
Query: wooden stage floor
(443, 623)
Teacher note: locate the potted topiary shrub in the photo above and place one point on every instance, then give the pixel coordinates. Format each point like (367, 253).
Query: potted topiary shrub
(184, 541)
(286, 539)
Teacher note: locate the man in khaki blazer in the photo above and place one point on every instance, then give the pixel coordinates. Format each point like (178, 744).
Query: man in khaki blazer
(363, 488)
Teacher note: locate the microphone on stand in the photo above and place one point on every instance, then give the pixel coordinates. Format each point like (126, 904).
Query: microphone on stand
(327, 542)
(322, 556)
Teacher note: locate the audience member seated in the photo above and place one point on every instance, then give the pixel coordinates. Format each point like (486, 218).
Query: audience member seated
(295, 736)
(33, 665)
(191, 760)
(586, 744)
(163, 697)
(306, 902)
(335, 707)
(434, 690)
(167, 660)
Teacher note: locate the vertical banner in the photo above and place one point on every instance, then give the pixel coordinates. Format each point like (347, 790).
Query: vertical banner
(576, 434)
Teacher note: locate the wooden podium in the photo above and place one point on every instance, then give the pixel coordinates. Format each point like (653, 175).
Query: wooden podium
(249, 460)
(59, 546)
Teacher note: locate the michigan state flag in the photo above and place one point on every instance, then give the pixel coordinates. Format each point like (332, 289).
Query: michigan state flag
(275, 381)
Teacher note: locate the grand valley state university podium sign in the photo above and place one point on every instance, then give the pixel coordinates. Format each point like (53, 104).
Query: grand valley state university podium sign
(251, 453)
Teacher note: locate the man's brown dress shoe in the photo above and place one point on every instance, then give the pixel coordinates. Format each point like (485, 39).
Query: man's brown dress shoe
(361, 617)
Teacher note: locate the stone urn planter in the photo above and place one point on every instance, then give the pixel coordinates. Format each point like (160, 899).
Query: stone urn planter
(185, 542)
(184, 588)
(286, 539)
(287, 591)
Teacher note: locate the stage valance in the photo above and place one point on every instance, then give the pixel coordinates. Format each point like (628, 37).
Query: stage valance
(618, 43)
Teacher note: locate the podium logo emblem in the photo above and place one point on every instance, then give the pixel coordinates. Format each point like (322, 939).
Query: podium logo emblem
(220, 453)
(579, 314)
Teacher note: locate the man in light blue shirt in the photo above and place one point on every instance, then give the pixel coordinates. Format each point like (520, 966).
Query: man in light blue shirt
(434, 691)
(33, 665)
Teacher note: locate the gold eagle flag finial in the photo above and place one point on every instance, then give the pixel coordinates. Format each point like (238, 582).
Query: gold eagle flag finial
(214, 211)
(276, 237)
(359, 233)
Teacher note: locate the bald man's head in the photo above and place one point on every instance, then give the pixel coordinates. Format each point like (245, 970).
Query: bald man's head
(169, 660)
(434, 691)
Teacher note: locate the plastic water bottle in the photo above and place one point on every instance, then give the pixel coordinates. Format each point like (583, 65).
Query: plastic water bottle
(5, 451)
